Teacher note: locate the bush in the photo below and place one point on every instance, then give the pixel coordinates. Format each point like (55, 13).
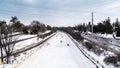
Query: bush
(98, 51)
(91, 47)
(118, 57)
(111, 60)
(25, 31)
(88, 45)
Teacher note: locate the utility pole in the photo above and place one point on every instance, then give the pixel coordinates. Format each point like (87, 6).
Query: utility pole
(92, 21)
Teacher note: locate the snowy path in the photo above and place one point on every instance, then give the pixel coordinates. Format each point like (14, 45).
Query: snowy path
(57, 54)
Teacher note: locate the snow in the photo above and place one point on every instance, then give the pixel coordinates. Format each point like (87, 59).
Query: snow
(101, 57)
(25, 43)
(98, 58)
(25, 36)
(58, 52)
(99, 39)
(106, 35)
(48, 31)
(109, 43)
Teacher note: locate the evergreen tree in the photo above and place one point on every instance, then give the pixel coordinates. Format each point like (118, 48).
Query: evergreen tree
(16, 24)
(101, 28)
(108, 26)
(89, 27)
(116, 26)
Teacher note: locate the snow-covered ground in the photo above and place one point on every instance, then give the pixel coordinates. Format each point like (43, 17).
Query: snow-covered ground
(17, 59)
(109, 43)
(20, 45)
(25, 43)
(48, 31)
(58, 52)
(106, 41)
(106, 35)
(99, 58)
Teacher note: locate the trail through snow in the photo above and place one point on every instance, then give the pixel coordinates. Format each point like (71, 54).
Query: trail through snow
(58, 52)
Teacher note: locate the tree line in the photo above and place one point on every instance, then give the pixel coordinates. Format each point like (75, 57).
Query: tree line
(33, 28)
(103, 27)
(15, 25)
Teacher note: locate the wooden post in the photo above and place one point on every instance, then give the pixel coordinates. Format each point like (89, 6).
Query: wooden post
(0, 61)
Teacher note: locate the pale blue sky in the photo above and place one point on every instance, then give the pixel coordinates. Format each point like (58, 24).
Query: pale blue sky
(59, 12)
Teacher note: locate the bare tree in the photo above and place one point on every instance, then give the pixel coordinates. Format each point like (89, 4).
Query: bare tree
(5, 41)
(37, 27)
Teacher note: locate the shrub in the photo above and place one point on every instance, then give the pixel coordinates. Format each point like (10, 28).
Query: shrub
(110, 60)
(88, 45)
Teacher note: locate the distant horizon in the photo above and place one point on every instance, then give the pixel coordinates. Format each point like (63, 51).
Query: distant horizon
(59, 12)
(29, 22)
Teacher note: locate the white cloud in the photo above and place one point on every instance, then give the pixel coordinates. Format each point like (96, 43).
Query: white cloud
(111, 7)
(69, 12)
(114, 5)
